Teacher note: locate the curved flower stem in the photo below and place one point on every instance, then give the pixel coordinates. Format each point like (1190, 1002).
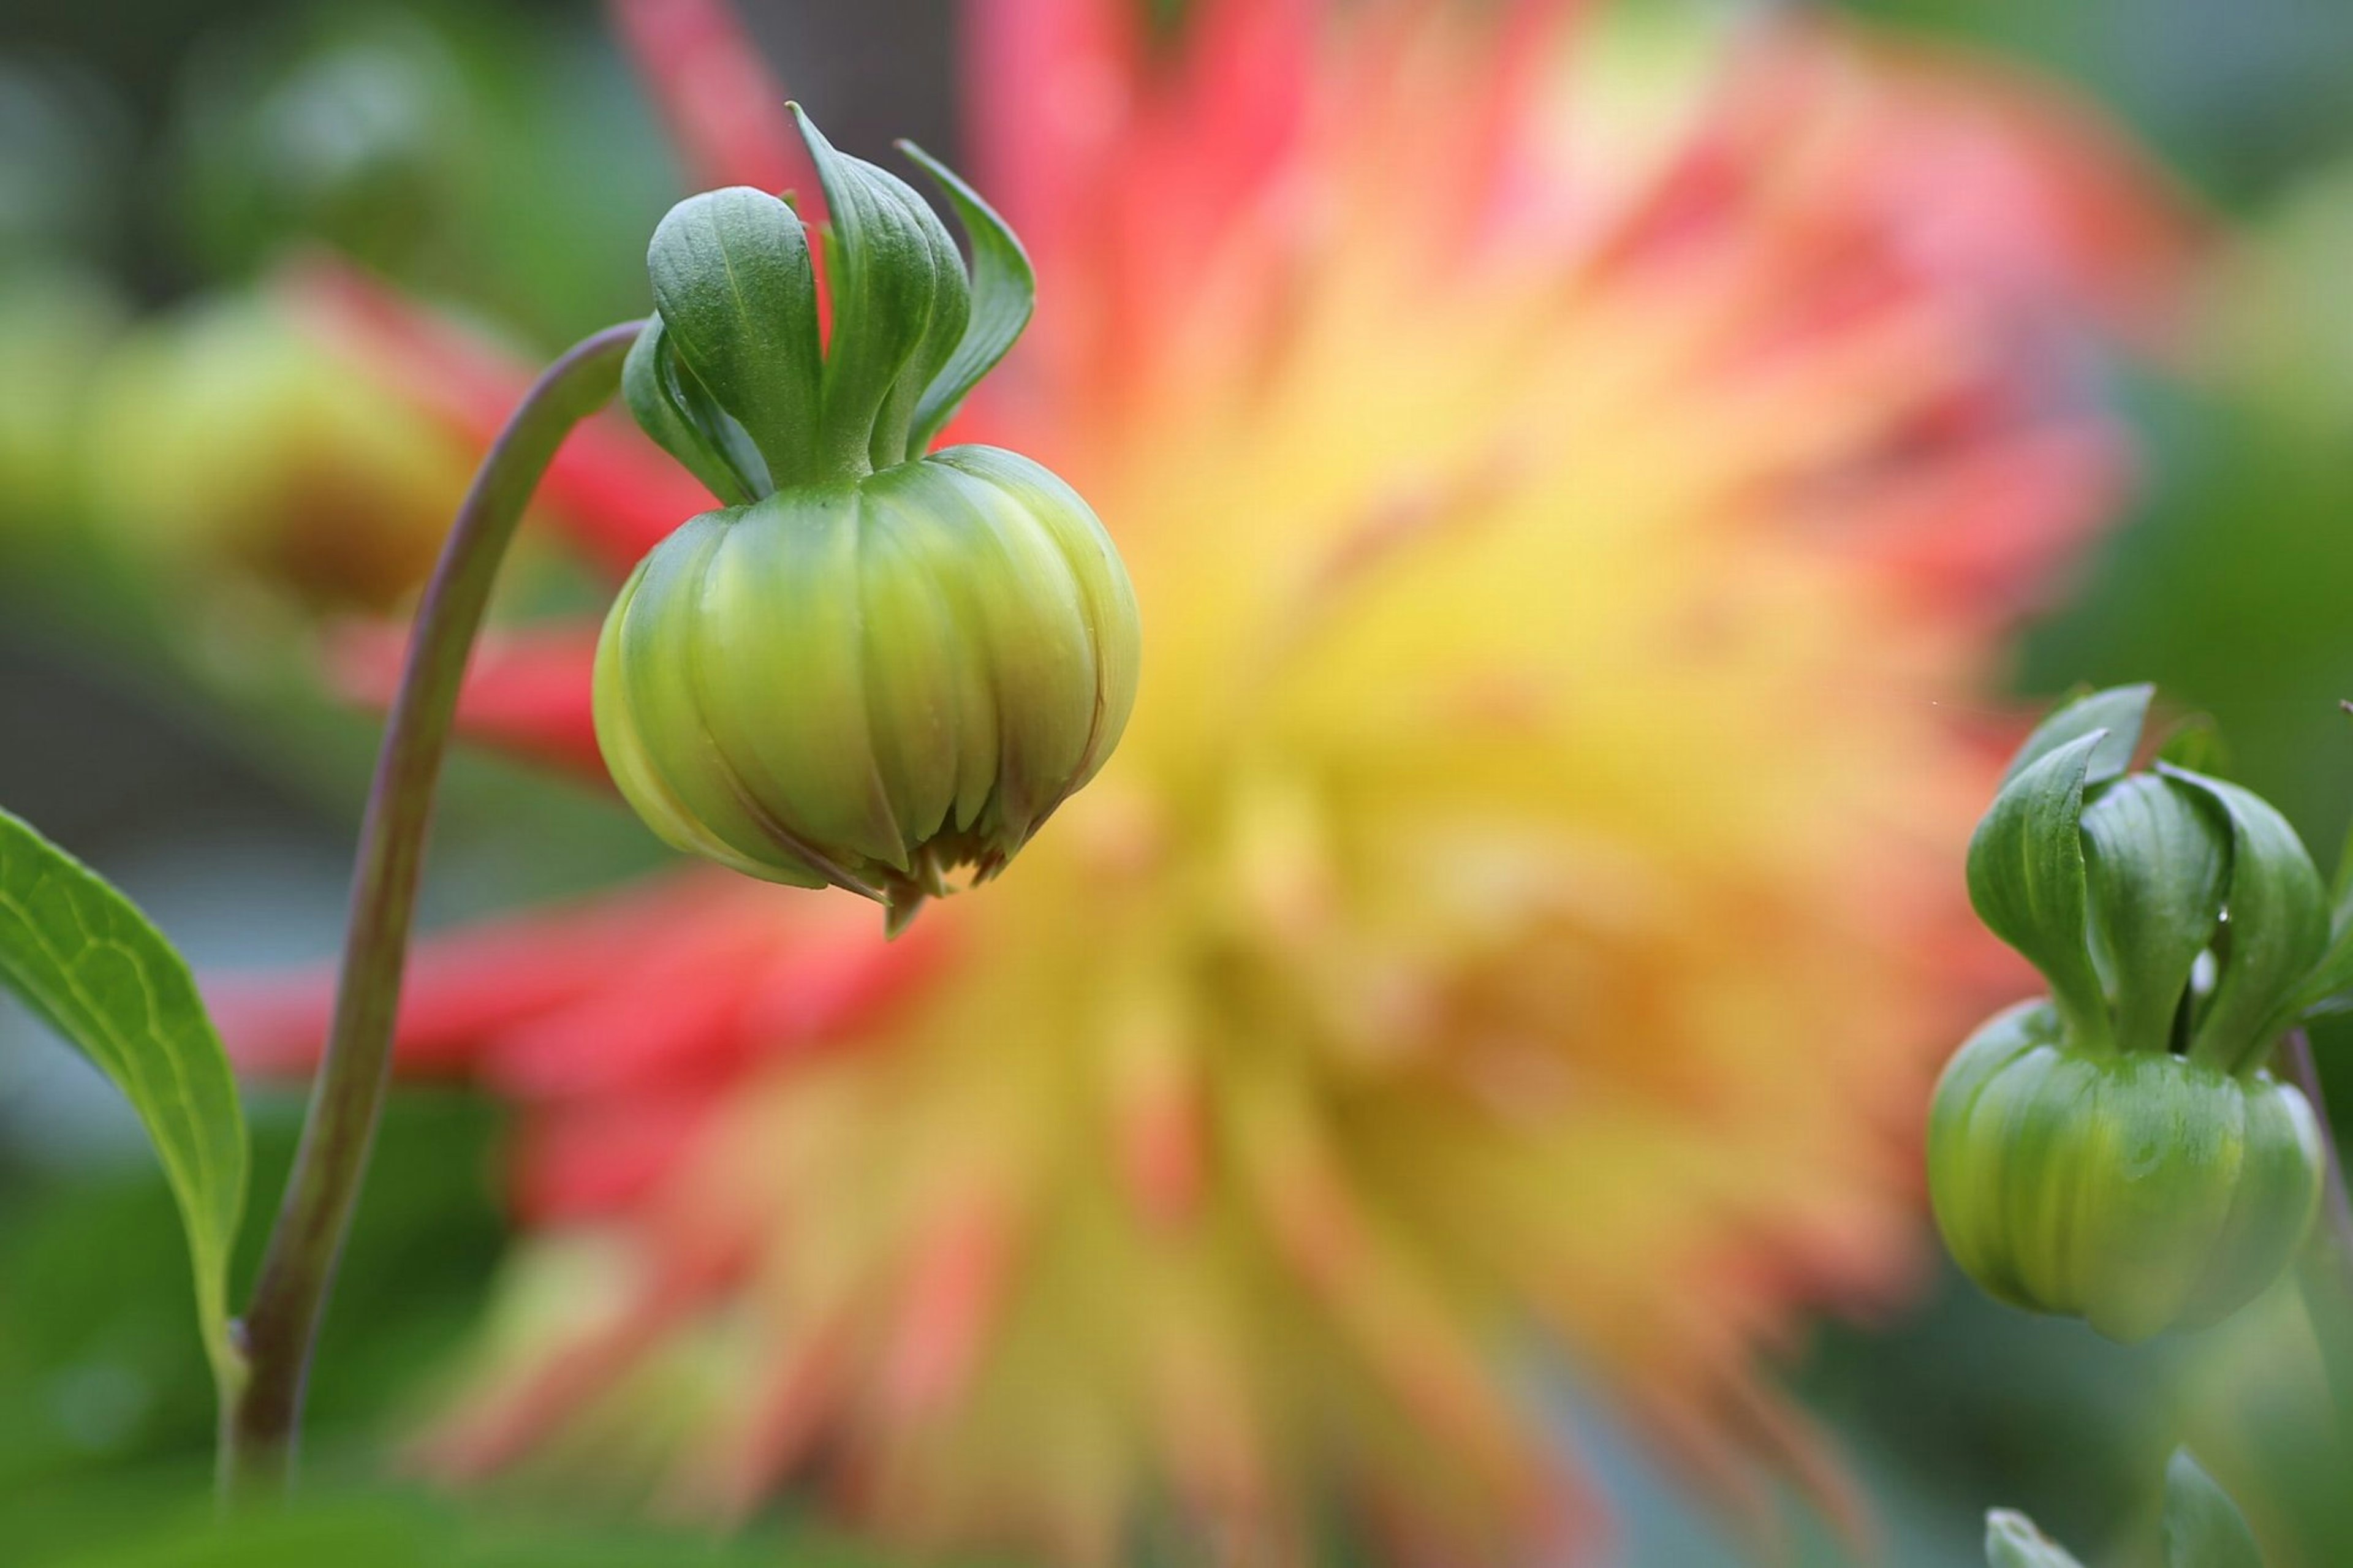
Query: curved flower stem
(2326, 1275)
(281, 1327)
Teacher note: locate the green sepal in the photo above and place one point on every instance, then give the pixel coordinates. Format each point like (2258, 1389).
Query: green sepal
(2203, 1528)
(737, 293)
(680, 415)
(2158, 865)
(901, 302)
(2276, 930)
(2197, 743)
(2013, 1542)
(1004, 293)
(2120, 711)
(2329, 987)
(2027, 879)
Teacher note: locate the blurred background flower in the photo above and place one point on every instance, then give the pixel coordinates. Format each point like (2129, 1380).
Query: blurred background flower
(1512, 425)
(1582, 466)
(228, 439)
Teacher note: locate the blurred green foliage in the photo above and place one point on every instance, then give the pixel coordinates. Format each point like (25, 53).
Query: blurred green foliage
(97, 1362)
(2240, 96)
(108, 1426)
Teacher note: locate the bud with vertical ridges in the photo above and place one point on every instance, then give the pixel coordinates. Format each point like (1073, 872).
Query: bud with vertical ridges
(874, 668)
(2118, 1151)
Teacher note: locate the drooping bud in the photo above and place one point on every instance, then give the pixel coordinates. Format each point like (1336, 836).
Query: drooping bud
(873, 668)
(2119, 1152)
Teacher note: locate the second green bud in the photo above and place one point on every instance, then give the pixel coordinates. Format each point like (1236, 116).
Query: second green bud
(2120, 1152)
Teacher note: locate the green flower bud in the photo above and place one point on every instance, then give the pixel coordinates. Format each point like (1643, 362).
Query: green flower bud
(875, 668)
(2139, 1190)
(2118, 1151)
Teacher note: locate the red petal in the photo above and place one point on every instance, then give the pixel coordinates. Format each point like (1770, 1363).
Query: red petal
(1052, 83)
(2035, 189)
(956, 1284)
(461, 989)
(671, 1014)
(724, 106)
(588, 1160)
(1984, 528)
(745, 972)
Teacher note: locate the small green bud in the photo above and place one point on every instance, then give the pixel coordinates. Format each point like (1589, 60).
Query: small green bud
(2139, 1190)
(875, 668)
(873, 684)
(2118, 1151)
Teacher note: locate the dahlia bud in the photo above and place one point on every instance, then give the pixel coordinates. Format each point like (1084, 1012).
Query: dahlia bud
(2118, 1151)
(874, 668)
(2139, 1190)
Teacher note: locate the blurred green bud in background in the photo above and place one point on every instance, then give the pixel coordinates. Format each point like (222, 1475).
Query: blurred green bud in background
(56, 323)
(229, 438)
(355, 126)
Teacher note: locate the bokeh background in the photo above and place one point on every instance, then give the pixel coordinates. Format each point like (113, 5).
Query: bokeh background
(502, 158)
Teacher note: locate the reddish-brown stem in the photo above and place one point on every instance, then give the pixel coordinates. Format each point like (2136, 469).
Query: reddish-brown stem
(279, 1330)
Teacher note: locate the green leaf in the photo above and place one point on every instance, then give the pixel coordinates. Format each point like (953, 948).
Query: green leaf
(655, 385)
(84, 959)
(2276, 928)
(2027, 880)
(2203, 1528)
(737, 294)
(1004, 293)
(2158, 865)
(901, 302)
(2120, 711)
(2013, 1542)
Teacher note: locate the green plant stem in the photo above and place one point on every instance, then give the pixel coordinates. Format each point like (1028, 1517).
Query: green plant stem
(2325, 1271)
(280, 1328)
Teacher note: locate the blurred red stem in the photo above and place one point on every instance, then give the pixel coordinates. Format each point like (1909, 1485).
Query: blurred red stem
(279, 1330)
